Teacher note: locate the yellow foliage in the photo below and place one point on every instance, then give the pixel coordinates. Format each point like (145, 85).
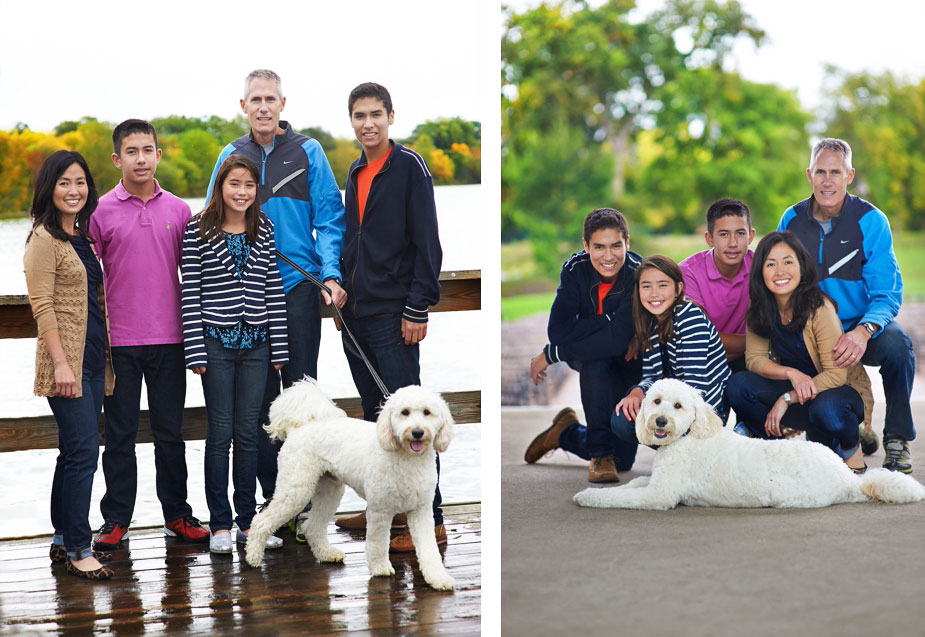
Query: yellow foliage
(462, 149)
(441, 166)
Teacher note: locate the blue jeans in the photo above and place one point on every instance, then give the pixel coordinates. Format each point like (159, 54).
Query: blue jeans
(831, 418)
(233, 388)
(303, 320)
(78, 452)
(603, 383)
(397, 364)
(164, 371)
(892, 352)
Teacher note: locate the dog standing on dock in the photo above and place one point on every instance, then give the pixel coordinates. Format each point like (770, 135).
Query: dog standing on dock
(700, 463)
(389, 463)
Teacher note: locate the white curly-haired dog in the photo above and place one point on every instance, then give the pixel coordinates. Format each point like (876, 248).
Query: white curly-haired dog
(389, 463)
(701, 463)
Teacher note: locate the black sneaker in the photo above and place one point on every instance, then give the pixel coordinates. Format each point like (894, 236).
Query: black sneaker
(897, 456)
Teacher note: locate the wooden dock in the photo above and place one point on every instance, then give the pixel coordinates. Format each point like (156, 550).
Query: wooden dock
(162, 586)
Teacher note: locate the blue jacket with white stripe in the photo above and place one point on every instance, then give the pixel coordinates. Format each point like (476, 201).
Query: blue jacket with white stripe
(855, 262)
(298, 193)
(214, 295)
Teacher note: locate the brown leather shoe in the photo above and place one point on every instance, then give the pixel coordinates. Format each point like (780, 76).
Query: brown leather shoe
(549, 439)
(403, 544)
(602, 470)
(358, 522)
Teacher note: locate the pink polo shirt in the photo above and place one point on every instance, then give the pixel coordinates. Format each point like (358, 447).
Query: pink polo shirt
(724, 301)
(139, 243)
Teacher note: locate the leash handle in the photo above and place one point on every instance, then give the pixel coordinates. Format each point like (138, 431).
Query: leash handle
(356, 346)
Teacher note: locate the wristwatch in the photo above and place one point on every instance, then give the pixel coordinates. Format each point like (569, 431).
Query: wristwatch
(870, 327)
(786, 398)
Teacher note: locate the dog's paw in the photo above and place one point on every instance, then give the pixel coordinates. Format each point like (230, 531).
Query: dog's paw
(440, 581)
(329, 554)
(253, 554)
(585, 498)
(382, 570)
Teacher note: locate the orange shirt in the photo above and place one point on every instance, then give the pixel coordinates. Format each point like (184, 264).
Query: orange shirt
(602, 290)
(364, 179)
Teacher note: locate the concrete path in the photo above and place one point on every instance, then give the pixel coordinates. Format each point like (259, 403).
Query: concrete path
(850, 569)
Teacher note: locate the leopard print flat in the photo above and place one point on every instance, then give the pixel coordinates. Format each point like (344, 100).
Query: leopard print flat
(58, 555)
(98, 574)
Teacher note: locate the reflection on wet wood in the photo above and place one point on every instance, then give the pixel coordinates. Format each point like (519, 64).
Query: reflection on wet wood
(163, 586)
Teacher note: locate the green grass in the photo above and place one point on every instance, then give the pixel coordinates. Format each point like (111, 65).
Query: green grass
(515, 307)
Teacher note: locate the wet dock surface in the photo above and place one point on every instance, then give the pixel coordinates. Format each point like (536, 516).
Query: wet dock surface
(162, 586)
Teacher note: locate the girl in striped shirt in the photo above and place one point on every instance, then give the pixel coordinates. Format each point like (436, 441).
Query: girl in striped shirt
(676, 340)
(234, 327)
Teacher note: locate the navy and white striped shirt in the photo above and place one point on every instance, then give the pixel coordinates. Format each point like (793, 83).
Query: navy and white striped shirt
(695, 354)
(213, 294)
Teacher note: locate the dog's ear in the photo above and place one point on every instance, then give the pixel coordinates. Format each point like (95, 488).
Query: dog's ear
(642, 434)
(445, 433)
(384, 429)
(706, 423)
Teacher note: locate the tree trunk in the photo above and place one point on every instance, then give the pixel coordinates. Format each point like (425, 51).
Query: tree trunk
(618, 135)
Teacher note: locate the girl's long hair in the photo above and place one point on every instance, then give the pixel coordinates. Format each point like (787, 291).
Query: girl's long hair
(43, 210)
(643, 319)
(212, 217)
(805, 300)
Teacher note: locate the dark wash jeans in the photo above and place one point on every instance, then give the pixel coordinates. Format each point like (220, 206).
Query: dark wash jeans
(831, 418)
(892, 352)
(78, 452)
(303, 321)
(397, 364)
(603, 383)
(164, 371)
(233, 389)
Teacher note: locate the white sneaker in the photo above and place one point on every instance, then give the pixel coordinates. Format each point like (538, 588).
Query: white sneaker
(272, 542)
(220, 542)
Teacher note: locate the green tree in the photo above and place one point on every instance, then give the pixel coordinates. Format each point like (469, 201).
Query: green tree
(548, 185)
(883, 118)
(322, 136)
(444, 132)
(718, 135)
(197, 150)
(93, 140)
(598, 72)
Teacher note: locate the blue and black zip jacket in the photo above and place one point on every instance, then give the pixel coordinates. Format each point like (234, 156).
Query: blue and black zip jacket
(298, 193)
(391, 262)
(576, 331)
(855, 262)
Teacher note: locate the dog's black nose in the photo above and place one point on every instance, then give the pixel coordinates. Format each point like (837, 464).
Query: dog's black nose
(661, 421)
(417, 434)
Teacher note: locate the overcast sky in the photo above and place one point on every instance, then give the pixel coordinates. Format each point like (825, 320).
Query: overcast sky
(115, 59)
(803, 35)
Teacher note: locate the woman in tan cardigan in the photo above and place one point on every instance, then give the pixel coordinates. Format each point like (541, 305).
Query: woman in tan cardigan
(71, 360)
(791, 328)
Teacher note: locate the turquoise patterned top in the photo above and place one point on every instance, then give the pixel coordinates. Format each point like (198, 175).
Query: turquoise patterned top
(242, 335)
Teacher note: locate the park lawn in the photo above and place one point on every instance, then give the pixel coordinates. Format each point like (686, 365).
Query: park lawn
(515, 258)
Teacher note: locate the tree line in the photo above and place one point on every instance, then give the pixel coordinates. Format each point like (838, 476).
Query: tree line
(644, 115)
(451, 147)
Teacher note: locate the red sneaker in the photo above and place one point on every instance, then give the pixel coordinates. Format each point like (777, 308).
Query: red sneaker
(187, 528)
(110, 536)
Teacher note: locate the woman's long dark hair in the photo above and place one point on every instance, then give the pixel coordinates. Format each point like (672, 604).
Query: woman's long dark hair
(643, 319)
(212, 217)
(805, 300)
(43, 210)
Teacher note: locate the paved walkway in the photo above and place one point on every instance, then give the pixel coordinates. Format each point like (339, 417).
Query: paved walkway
(850, 569)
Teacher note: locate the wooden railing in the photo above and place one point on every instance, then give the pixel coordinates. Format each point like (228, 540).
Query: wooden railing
(460, 290)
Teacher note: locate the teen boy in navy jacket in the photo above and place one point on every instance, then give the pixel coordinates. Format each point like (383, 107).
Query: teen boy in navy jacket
(390, 263)
(591, 328)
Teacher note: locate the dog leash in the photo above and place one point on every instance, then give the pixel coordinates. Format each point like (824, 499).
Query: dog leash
(354, 346)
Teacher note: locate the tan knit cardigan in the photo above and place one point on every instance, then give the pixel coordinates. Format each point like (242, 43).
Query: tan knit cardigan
(820, 334)
(57, 283)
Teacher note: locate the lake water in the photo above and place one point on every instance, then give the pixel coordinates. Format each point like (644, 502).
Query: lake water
(450, 361)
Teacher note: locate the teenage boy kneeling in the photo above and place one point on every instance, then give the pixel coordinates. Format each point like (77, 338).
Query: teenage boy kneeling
(591, 328)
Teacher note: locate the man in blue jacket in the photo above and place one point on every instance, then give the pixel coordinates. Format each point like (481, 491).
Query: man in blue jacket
(391, 264)
(298, 193)
(591, 328)
(856, 265)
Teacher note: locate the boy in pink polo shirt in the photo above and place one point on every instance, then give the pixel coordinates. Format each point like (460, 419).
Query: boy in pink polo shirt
(717, 279)
(137, 230)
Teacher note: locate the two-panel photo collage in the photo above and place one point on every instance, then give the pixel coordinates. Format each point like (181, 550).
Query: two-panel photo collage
(527, 318)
